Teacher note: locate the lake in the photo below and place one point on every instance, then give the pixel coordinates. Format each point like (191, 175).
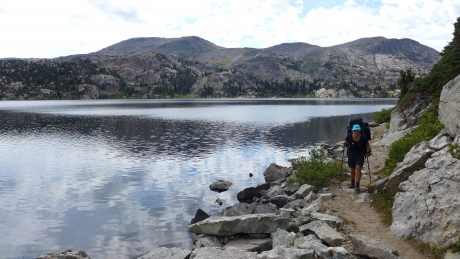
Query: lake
(119, 177)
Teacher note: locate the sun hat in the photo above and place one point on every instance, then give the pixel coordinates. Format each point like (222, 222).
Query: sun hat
(356, 127)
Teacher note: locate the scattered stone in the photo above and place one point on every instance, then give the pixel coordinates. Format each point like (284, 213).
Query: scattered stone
(213, 253)
(227, 226)
(282, 238)
(296, 204)
(310, 197)
(199, 216)
(274, 191)
(291, 188)
(363, 245)
(324, 232)
(310, 242)
(248, 194)
(163, 252)
(219, 201)
(250, 244)
(250, 175)
(289, 213)
(220, 186)
(304, 190)
(287, 252)
(208, 241)
(67, 254)
(293, 226)
(331, 220)
(363, 197)
(337, 253)
(280, 200)
(316, 206)
(275, 172)
(325, 197)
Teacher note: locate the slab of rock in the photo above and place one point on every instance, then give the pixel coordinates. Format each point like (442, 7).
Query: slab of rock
(310, 242)
(213, 253)
(291, 188)
(441, 141)
(199, 216)
(220, 186)
(275, 190)
(310, 197)
(325, 197)
(326, 233)
(449, 109)
(296, 204)
(428, 207)
(228, 226)
(331, 220)
(276, 172)
(239, 209)
(392, 136)
(248, 194)
(167, 253)
(363, 197)
(363, 245)
(280, 200)
(282, 238)
(287, 252)
(265, 208)
(414, 160)
(337, 253)
(250, 244)
(317, 205)
(304, 190)
(67, 254)
(208, 241)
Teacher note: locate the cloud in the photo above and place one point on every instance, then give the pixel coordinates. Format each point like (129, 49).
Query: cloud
(50, 28)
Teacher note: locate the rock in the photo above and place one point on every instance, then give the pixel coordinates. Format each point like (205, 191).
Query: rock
(282, 238)
(275, 190)
(337, 253)
(251, 175)
(449, 111)
(293, 226)
(440, 141)
(363, 197)
(280, 200)
(363, 245)
(331, 220)
(250, 244)
(287, 253)
(310, 197)
(325, 197)
(452, 255)
(248, 194)
(414, 160)
(378, 186)
(428, 207)
(163, 252)
(291, 188)
(199, 216)
(208, 241)
(67, 254)
(324, 232)
(304, 190)
(392, 136)
(310, 242)
(219, 201)
(304, 219)
(227, 226)
(316, 206)
(265, 208)
(238, 209)
(287, 212)
(373, 124)
(220, 185)
(296, 204)
(213, 253)
(275, 172)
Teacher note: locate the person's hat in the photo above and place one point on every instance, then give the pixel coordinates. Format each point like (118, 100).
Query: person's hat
(356, 127)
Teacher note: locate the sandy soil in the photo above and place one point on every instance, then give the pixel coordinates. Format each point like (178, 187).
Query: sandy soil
(361, 218)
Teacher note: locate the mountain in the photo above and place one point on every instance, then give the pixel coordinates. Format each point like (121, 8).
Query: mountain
(192, 66)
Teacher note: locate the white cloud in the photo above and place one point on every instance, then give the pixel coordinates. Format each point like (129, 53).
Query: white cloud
(50, 28)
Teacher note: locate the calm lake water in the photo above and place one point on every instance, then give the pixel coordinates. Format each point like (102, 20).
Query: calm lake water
(119, 177)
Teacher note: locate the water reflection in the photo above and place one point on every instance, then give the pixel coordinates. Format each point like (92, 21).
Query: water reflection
(120, 185)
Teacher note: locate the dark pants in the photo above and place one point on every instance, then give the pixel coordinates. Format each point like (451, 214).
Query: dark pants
(355, 158)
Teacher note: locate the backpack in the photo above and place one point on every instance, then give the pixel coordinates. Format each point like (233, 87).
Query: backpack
(364, 127)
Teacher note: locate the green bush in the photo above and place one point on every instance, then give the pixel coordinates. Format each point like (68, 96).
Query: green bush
(383, 116)
(315, 171)
(429, 126)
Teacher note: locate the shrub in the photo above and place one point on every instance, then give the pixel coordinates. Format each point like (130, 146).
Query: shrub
(383, 116)
(454, 150)
(315, 171)
(429, 126)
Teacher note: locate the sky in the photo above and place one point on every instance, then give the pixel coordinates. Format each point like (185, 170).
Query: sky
(52, 28)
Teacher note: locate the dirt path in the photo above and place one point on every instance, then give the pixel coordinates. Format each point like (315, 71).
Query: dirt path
(361, 218)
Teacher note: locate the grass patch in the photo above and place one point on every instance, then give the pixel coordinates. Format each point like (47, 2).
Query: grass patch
(454, 150)
(383, 116)
(383, 203)
(430, 250)
(429, 126)
(316, 170)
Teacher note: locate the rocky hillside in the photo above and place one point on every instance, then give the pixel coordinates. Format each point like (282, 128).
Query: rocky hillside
(191, 66)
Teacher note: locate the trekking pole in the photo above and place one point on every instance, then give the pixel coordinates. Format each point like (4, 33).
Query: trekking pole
(369, 169)
(341, 167)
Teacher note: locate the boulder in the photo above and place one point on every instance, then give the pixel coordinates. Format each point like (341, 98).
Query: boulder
(220, 186)
(304, 190)
(291, 188)
(414, 160)
(296, 204)
(67, 254)
(337, 253)
(213, 253)
(287, 252)
(239, 209)
(325, 197)
(250, 244)
(282, 238)
(449, 108)
(331, 220)
(365, 246)
(280, 200)
(276, 172)
(392, 136)
(310, 197)
(317, 205)
(248, 194)
(310, 242)
(228, 226)
(428, 207)
(265, 208)
(208, 241)
(324, 232)
(275, 190)
(199, 216)
(164, 252)
(441, 141)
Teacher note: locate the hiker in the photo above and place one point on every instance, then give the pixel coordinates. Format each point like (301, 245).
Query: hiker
(358, 148)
